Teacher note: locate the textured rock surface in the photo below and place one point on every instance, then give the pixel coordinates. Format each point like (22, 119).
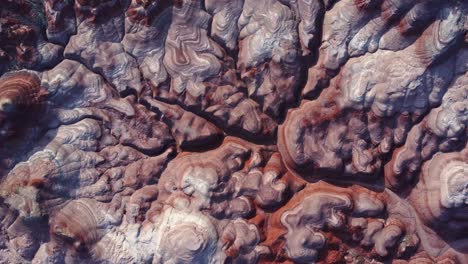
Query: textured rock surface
(233, 131)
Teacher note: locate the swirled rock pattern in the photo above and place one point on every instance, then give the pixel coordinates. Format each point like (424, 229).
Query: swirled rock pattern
(233, 131)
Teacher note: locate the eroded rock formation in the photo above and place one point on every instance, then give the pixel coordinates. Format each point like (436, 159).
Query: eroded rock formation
(243, 131)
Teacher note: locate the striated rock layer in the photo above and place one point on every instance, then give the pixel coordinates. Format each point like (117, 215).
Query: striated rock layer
(234, 131)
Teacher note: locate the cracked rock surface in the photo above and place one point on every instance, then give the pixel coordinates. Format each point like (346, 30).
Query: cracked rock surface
(233, 131)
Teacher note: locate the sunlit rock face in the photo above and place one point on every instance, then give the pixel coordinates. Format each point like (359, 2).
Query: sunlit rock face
(234, 131)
